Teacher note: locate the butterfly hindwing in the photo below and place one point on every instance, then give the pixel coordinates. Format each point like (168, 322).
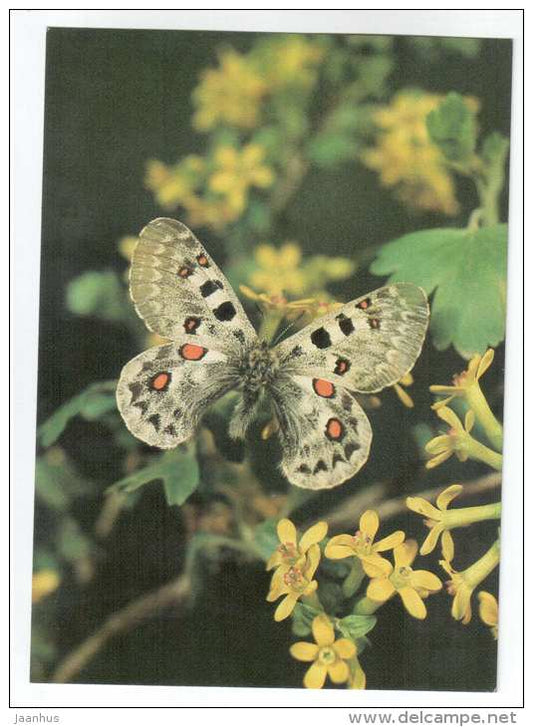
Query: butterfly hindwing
(368, 344)
(177, 288)
(163, 392)
(325, 434)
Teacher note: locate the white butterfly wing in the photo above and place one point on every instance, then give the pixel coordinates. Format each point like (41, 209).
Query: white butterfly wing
(177, 288)
(324, 433)
(367, 345)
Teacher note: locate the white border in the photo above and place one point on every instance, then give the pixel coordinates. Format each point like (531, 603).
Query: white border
(27, 71)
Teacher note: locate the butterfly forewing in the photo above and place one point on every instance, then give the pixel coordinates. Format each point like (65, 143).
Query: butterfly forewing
(177, 288)
(367, 345)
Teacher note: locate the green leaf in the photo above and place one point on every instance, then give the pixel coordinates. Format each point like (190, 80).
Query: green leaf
(178, 469)
(72, 543)
(99, 294)
(57, 483)
(266, 538)
(328, 149)
(356, 626)
(452, 128)
(302, 618)
(466, 269)
(494, 149)
(98, 399)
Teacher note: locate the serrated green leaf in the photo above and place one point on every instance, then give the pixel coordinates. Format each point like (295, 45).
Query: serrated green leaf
(99, 294)
(178, 469)
(266, 538)
(356, 626)
(466, 269)
(98, 399)
(452, 128)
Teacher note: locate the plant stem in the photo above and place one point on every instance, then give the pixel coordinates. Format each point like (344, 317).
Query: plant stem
(468, 515)
(365, 606)
(475, 450)
(484, 416)
(353, 579)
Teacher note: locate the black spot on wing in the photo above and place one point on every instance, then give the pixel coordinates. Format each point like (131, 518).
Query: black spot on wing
(350, 448)
(304, 469)
(320, 466)
(225, 311)
(345, 324)
(177, 413)
(155, 421)
(136, 389)
(337, 458)
(346, 402)
(239, 335)
(321, 338)
(171, 429)
(210, 287)
(142, 405)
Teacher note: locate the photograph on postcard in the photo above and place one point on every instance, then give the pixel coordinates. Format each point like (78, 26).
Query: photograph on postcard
(271, 360)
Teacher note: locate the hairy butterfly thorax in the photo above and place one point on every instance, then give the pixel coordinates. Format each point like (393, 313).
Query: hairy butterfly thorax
(309, 379)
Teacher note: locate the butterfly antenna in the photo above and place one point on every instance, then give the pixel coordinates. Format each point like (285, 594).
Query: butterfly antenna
(287, 328)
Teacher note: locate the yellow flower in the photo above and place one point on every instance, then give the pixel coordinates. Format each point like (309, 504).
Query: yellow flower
(362, 546)
(289, 552)
(126, 246)
(459, 442)
(293, 582)
(290, 61)
(411, 585)
(230, 94)
(462, 584)
(406, 158)
(43, 583)
(238, 170)
(488, 611)
(278, 270)
(329, 656)
(455, 441)
(436, 521)
(462, 382)
(403, 396)
(291, 309)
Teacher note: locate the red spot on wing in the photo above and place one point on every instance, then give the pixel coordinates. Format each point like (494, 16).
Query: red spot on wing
(203, 261)
(160, 381)
(341, 366)
(184, 272)
(364, 304)
(191, 352)
(323, 388)
(374, 323)
(334, 429)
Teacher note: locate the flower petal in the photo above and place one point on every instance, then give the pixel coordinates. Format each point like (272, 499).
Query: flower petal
(313, 535)
(304, 651)
(286, 531)
(439, 459)
(428, 546)
(375, 566)
(423, 507)
(380, 589)
(426, 580)
(413, 602)
(315, 676)
(447, 495)
(339, 672)
(461, 608)
(345, 649)
(391, 541)
(448, 548)
(312, 559)
(485, 362)
(488, 608)
(450, 417)
(336, 552)
(470, 420)
(274, 560)
(405, 553)
(323, 632)
(438, 444)
(286, 607)
(369, 523)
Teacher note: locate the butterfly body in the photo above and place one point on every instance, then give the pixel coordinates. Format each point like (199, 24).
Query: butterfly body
(309, 378)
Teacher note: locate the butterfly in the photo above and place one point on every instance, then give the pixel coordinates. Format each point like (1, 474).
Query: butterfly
(310, 378)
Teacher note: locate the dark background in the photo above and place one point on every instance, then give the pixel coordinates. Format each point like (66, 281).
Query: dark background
(113, 100)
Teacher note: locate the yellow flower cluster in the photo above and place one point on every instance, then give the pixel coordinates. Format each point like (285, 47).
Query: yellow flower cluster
(405, 157)
(229, 94)
(43, 583)
(233, 93)
(213, 194)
